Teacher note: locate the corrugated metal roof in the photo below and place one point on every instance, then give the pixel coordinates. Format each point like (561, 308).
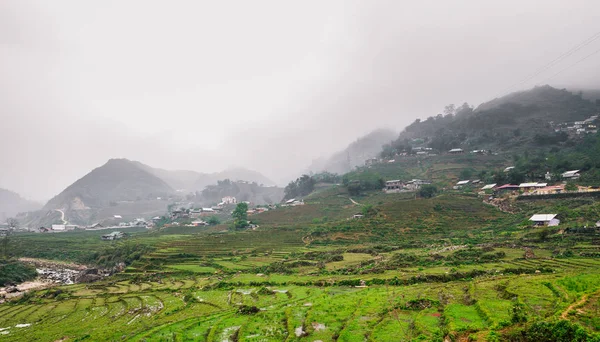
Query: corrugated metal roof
(542, 217)
(463, 182)
(488, 186)
(571, 173)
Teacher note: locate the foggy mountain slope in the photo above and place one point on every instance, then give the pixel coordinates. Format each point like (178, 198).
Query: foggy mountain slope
(544, 102)
(177, 179)
(233, 174)
(191, 181)
(356, 153)
(588, 94)
(117, 180)
(12, 203)
(512, 121)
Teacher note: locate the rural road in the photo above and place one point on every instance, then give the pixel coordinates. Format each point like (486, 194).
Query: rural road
(62, 216)
(353, 201)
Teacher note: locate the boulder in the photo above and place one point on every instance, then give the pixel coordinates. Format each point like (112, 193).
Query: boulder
(12, 289)
(89, 276)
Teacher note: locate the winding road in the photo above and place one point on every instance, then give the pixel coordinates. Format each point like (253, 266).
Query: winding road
(354, 202)
(62, 215)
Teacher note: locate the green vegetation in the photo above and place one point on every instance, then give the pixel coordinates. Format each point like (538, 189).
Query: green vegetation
(300, 187)
(240, 216)
(13, 272)
(411, 269)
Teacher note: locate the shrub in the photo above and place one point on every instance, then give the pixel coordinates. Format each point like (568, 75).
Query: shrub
(248, 310)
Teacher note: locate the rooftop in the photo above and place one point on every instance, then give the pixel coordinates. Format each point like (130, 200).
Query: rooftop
(542, 217)
(488, 186)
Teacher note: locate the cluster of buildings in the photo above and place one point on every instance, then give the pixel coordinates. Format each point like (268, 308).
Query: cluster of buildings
(420, 151)
(586, 126)
(259, 210)
(395, 186)
(138, 222)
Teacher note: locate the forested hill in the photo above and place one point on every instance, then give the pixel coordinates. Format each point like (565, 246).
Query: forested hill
(500, 124)
(117, 180)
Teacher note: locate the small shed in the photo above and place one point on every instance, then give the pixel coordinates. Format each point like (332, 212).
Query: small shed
(545, 220)
(573, 174)
(489, 186)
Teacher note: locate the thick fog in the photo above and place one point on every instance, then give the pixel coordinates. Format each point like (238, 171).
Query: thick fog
(266, 84)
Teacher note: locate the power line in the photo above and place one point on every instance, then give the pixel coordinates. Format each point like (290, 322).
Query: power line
(554, 62)
(572, 65)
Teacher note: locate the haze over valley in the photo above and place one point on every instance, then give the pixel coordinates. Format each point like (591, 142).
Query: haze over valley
(344, 170)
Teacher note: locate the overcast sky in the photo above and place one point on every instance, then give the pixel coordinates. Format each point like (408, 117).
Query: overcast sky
(265, 84)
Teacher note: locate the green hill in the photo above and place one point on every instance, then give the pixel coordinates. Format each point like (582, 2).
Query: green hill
(503, 124)
(117, 180)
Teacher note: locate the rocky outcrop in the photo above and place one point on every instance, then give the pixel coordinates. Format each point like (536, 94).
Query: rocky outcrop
(89, 276)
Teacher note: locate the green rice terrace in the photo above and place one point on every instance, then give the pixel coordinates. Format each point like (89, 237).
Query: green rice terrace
(447, 268)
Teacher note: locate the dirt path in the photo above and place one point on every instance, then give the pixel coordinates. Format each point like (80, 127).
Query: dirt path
(572, 306)
(62, 215)
(354, 202)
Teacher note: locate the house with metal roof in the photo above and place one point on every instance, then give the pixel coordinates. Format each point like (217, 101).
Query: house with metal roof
(545, 220)
(489, 186)
(573, 174)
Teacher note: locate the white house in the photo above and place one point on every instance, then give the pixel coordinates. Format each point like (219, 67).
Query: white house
(60, 227)
(489, 186)
(456, 150)
(545, 220)
(229, 200)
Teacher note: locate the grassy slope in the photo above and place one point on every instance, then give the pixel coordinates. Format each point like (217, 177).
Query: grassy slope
(189, 287)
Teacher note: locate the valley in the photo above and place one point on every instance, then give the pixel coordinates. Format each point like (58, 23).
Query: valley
(425, 240)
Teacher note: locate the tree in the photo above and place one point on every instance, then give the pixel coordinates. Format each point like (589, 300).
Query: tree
(368, 210)
(450, 109)
(214, 220)
(464, 110)
(571, 187)
(240, 216)
(428, 191)
(300, 187)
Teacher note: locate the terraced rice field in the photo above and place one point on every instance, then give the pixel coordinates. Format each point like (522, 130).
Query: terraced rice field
(184, 308)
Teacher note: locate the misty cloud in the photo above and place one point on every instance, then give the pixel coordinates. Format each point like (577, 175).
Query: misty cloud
(269, 85)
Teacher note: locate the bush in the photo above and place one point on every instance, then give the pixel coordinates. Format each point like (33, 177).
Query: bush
(561, 331)
(428, 191)
(16, 272)
(248, 310)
